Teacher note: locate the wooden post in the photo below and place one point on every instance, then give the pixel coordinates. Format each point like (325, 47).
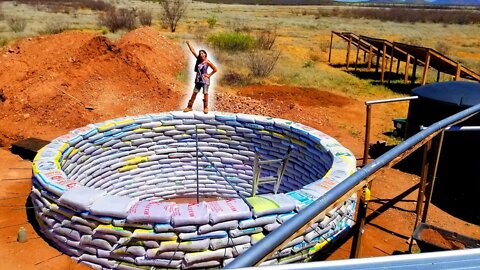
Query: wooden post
(425, 68)
(356, 58)
(377, 64)
(330, 51)
(391, 64)
(367, 134)
(348, 51)
(384, 56)
(437, 147)
(364, 54)
(356, 250)
(423, 181)
(407, 64)
(459, 70)
(438, 75)
(398, 65)
(370, 56)
(414, 71)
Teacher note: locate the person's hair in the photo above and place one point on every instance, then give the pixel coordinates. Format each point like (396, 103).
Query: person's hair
(199, 60)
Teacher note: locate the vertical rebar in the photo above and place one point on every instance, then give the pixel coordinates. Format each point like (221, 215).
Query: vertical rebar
(367, 134)
(196, 146)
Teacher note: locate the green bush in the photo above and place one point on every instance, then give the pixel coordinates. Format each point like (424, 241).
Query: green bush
(308, 64)
(212, 21)
(232, 41)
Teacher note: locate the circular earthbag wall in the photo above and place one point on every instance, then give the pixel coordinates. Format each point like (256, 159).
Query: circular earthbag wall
(122, 194)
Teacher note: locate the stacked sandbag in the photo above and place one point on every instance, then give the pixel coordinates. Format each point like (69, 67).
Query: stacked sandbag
(110, 194)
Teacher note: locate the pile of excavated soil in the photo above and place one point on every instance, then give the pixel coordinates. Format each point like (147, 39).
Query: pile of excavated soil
(48, 81)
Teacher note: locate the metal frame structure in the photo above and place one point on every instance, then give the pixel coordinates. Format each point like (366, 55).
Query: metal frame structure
(455, 259)
(354, 183)
(390, 51)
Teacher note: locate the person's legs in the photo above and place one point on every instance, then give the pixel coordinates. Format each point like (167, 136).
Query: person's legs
(205, 99)
(192, 99)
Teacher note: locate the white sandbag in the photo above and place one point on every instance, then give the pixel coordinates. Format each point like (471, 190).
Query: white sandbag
(248, 231)
(233, 209)
(151, 212)
(284, 217)
(303, 198)
(125, 223)
(202, 265)
(269, 262)
(264, 206)
(72, 234)
(115, 206)
(158, 262)
(228, 242)
(194, 257)
(101, 261)
(165, 227)
(185, 229)
(239, 249)
(111, 255)
(113, 239)
(152, 235)
(110, 229)
(226, 225)
(91, 224)
(293, 258)
(91, 265)
(156, 254)
(256, 222)
(318, 232)
(137, 251)
(197, 236)
(295, 241)
(302, 246)
(100, 219)
(99, 243)
(80, 197)
(190, 214)
(272, 226)
(131, 266)
(80, 228)
(186, 246)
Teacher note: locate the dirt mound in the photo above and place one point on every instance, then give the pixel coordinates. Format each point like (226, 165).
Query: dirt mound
(48, 81)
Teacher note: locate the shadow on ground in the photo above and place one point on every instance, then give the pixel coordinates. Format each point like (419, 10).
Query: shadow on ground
(396, 84)
(456, 186)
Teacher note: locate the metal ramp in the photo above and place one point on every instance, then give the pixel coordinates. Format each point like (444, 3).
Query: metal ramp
(276, 179)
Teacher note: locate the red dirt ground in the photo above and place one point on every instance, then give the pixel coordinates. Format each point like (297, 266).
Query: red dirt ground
(49, 80)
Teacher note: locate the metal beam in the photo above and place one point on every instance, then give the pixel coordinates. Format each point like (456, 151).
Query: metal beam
(260, 250)
(453, 259)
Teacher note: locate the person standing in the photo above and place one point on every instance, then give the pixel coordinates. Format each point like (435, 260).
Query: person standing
(202, 78)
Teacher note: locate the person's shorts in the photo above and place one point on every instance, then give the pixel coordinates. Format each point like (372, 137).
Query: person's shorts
(197, 88)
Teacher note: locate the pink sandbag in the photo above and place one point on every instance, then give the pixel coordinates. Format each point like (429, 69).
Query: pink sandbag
(151, 212)
(232, 209)
(190, 214)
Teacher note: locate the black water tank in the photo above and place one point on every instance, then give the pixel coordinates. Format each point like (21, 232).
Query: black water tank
(457, 186)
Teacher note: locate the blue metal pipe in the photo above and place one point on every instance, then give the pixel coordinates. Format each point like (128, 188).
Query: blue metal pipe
(279, 235)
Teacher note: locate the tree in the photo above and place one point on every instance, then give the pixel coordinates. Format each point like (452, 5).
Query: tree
(173, 11)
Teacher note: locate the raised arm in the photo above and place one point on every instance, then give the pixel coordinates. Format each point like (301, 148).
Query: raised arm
(191, 49)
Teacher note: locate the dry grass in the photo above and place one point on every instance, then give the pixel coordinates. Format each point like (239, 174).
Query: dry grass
(303, 38)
